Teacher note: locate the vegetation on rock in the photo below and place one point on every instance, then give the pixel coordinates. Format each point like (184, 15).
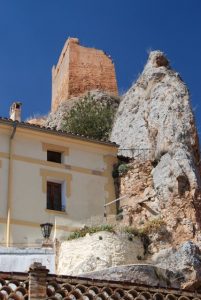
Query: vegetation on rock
(153, 226)
(90, 118)
(144, 233)
(121, 169)
(83, 231)
(149, 227)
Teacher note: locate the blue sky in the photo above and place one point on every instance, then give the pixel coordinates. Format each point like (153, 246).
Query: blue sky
(33, 32)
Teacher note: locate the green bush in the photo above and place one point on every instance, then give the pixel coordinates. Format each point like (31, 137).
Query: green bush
(121, 169)
(131, 230)
(153, 226)
(90, 118)
(83, 231)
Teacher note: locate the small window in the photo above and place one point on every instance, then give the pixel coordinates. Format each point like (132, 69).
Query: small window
(54, 192)
(54, 156)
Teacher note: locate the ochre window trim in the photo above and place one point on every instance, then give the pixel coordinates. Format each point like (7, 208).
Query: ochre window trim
(56, 175)
(56, 148)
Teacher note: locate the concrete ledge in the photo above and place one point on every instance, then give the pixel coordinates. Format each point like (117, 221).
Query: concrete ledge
(19, 260)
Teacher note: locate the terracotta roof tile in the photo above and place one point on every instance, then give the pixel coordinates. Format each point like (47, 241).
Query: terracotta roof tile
(54, 131)
(15, 286)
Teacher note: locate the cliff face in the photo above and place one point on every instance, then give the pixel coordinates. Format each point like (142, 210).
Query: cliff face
(155, 121)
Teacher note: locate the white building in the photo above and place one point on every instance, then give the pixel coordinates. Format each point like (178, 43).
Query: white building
(50, 176)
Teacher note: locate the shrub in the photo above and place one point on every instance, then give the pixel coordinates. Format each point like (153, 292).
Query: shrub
(131, 230)
(121, 169)
(153, 226)
(90, 118)
(83, 231)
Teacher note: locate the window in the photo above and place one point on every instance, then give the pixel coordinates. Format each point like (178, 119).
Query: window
(57, 189)
(54, 156)
(54, 195)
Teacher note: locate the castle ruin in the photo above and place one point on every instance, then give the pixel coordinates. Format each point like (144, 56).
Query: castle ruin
(79, 70)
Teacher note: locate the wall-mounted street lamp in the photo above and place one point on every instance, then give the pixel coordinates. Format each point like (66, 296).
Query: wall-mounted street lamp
(46, 229)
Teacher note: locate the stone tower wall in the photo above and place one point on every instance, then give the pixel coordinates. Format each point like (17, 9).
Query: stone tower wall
(79, 70)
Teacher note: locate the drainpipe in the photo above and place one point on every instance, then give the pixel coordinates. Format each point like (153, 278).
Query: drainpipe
(10, 184)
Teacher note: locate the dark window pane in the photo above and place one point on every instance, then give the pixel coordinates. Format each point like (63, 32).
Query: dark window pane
(54, 196)
(49, 202)
(54, 156)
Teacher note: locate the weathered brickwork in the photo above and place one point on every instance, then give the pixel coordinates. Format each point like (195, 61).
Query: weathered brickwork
(79, 70)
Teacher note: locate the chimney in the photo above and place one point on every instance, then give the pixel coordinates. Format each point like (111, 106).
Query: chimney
(37, 281)
(15, 111)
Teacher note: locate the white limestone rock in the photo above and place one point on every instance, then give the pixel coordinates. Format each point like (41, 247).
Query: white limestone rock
(155, 119)
(98, 251)
(145, 274)
(185, 260)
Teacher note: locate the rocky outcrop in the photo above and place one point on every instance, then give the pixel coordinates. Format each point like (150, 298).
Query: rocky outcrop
(121, 256)
(140, 274)
(186, 260)
(155, 121)
(55, 119)
(97, 252)
(155, 114)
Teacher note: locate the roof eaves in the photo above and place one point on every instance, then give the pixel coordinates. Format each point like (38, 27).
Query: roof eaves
(55, 132)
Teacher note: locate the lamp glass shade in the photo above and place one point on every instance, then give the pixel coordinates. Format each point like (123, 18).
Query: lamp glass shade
(46, 229)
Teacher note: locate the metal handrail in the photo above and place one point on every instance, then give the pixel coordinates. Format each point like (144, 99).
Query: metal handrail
(115, 200)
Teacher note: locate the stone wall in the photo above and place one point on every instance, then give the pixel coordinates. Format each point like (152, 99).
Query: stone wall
(79, 70)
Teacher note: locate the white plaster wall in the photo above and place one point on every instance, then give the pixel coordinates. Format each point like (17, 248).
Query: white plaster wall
(79, 155)
(29, 202)
(86, 199)
(4, 140)
(28, 199)
(22, 235)
(3, 187)
(2, 234)
(85, 159)
(19, 260)
(29, 146)
(88, 196)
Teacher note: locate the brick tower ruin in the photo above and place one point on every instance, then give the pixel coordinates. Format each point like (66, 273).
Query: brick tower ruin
(79, 70)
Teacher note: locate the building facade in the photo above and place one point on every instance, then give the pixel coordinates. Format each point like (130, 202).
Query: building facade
(50, 176)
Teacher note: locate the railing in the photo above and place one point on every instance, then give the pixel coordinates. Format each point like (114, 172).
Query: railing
(111, 202)
(141, 153)
(137, 153)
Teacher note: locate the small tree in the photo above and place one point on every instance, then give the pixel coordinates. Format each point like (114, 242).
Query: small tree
(89, 118)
